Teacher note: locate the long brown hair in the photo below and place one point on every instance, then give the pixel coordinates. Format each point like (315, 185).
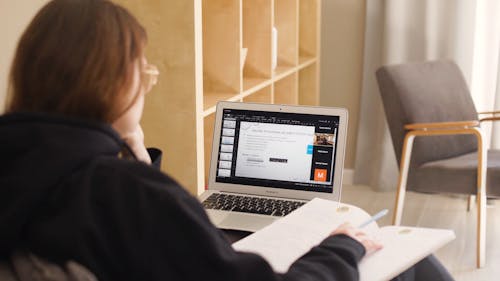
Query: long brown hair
(75, 58)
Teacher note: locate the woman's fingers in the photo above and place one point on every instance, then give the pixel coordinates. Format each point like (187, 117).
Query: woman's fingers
(359, 235)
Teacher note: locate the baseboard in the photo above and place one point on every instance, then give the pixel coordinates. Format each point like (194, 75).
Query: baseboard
(348, 177)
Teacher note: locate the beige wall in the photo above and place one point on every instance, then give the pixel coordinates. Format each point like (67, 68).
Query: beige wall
(343, 27)
(14, 17)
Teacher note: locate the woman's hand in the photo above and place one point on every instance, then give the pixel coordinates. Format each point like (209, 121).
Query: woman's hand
(357, 234)
(135, 141)
(131, 132)
(128, 126)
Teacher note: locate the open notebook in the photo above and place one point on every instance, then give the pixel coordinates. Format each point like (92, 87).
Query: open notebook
(287, 239)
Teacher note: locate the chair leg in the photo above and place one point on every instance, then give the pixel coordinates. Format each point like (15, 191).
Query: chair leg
(481, 231)
(403, 178)
(470, 202)
(398, 209)
(481, 201)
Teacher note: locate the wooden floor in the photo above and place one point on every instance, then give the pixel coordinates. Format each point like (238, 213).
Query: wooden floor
(441, 211)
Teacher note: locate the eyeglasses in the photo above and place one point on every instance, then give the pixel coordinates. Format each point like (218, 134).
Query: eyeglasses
(149, 76)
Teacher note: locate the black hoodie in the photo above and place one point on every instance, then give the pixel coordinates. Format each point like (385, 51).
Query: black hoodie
(64, 194)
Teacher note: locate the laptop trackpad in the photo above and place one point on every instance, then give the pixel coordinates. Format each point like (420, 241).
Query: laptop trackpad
(245, 222)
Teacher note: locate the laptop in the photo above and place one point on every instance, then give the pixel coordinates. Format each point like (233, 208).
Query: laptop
(267, 160)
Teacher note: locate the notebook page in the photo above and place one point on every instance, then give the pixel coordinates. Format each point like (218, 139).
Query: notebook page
(287, 239)
(403, 247)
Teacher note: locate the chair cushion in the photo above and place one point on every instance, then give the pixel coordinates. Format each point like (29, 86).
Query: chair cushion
(456, 175)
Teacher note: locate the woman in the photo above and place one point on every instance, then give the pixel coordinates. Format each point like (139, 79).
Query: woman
(70, 183)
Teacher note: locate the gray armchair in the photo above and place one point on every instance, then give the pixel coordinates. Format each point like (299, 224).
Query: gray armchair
(24, 266)
(436, 134)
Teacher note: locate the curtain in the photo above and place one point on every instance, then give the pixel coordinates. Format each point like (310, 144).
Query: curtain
(398, 31)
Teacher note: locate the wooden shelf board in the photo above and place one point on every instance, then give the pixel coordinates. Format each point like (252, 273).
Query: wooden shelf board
(305, 61)
(255, 84)
(252, 82)
(261, 96)
(210, 101)
(282, 71)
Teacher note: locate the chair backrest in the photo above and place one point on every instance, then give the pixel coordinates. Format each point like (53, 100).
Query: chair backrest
(426, 92)
(24, 266)
(6, 273)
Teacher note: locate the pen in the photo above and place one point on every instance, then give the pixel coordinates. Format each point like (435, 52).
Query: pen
(374, 218)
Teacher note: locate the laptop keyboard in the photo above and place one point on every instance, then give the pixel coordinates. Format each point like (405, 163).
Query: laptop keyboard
(254, 205)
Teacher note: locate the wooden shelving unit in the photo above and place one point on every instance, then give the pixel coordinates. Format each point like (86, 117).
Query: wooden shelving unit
(199, 46)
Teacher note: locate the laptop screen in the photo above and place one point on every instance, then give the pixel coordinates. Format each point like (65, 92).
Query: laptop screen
(277, 149)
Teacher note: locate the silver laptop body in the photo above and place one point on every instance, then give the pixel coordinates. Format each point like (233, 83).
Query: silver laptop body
(277, 152)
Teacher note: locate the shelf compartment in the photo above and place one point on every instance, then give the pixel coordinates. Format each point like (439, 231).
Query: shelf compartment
(286, 21)
(257, 28)
(210, 101)
(286, 90)
(309, 27)
(309, 85)
(263, 95)
(221, 45)
(250, 83)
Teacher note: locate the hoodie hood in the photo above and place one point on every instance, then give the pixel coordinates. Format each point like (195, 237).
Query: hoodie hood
(37, 152)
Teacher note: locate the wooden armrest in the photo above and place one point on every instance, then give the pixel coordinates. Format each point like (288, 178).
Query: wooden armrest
(489, 112)
(489, 119)
(442, 125)
(491, 116)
